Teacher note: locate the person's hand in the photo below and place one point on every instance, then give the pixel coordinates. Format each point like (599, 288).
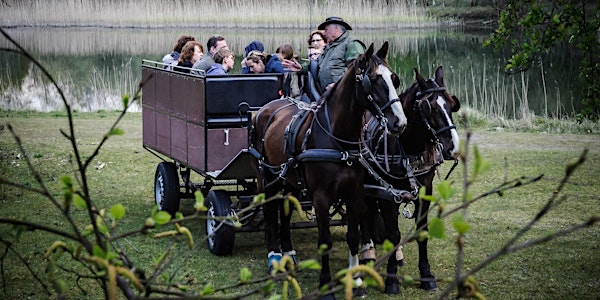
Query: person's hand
(292, 65)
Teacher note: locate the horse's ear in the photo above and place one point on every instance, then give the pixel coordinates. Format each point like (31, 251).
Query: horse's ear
(456, 105)
(420, 80)
(439, 76)
(382, 52)
(369, 52)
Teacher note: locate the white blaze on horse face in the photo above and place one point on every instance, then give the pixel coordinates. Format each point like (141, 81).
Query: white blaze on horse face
(442, 103)
(386, 74)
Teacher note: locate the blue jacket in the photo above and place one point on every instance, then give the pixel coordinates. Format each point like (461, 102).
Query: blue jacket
(274, 65)
(216, 69)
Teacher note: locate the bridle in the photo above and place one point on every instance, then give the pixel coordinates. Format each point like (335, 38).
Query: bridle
(363, 83)
(422, 105)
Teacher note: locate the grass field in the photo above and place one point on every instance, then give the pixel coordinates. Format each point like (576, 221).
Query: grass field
(565, 268)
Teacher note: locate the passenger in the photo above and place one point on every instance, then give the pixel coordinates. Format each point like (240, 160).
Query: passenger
(213, 45)
(286, 51)
(292, 83)
(224, 61)
(340, 51)
(313, 53)
(260, 62)
(171, 59)
(255, 45)
(316, 41)
(190, 54)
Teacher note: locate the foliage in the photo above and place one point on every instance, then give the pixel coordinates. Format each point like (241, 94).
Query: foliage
(93, 250)
(535, 26)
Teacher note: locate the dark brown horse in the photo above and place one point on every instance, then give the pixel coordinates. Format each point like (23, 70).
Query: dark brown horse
(409, 161)
(311, 151)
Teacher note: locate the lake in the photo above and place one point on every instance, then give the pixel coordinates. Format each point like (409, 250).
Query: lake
(97, 66)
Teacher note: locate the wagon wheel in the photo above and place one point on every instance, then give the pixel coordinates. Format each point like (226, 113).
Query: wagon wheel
(166, 187)
(220, 240)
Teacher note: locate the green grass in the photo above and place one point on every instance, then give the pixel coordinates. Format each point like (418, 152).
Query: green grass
(565, 268)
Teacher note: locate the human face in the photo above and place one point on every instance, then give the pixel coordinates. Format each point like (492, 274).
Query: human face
(229, 62)
(256, 67)
(197, 54)
(219, 45)
(317, 42)
(332, 32)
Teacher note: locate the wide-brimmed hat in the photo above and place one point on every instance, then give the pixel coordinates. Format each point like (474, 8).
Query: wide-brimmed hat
(334, 20)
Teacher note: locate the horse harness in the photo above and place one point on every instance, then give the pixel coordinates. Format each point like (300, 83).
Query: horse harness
(292, 131)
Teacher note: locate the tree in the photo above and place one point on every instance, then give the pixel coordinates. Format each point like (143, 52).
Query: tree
(532, 27)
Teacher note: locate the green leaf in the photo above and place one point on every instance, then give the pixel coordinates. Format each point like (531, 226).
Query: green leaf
(460, 225)
(199, 204)
(208, 289)
(79, 202)
(162, 217)
(116, 131)
(117, 211)
(67, 181)
(387, 246)
(437, 228)
(310, 264)
(480, 165)
(445, 190)
(97, 251)
(425, 197)
(125, 100)
(245, 275)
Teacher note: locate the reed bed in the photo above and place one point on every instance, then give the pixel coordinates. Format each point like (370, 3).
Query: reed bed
(211, 13)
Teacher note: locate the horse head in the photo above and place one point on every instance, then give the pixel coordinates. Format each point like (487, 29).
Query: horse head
(433, 106)
(376, 83)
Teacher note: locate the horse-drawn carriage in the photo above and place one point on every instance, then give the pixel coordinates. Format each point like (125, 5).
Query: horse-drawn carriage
(205, 124)
(201, 123)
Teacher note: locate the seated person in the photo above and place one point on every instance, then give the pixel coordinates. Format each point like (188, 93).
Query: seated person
(171, 59)
(224, 61)
(255, 45)
(260, 62)
(213, 45)
(191, 53)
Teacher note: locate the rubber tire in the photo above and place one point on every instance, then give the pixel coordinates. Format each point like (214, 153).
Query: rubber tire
(166, 188)
(219, 242)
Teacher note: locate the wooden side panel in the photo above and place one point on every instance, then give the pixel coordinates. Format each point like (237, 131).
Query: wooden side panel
(163, 91)
(196, 147)
(149, 127)
(223, 145)
(178, 140)
(196, 110)
(163, 133)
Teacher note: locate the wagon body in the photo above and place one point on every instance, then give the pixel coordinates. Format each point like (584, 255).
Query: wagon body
(201, 122)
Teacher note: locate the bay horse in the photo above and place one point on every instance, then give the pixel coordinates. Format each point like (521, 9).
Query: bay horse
(311, 150)
(408, 161)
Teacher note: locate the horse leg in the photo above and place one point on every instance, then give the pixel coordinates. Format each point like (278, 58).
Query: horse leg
(321, 205)
(368, 229)
(285, 234)
(427, 279)
(271, 235)
(389, 211)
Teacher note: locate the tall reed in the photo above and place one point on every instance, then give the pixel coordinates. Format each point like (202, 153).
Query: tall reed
(212, 13)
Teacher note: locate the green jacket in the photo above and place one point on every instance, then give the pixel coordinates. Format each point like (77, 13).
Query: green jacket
(336, 56)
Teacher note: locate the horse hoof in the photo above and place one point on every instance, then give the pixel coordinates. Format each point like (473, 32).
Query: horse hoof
(365, 261)
(393, 289)
(428, 285)
(401, 263)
